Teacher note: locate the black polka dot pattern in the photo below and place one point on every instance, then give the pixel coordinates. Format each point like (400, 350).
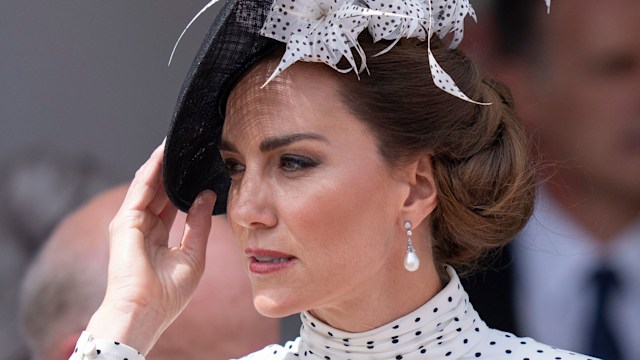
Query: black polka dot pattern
(446, 327)
(88, 348)
(327, 31)
(316, 31)
(454, 331)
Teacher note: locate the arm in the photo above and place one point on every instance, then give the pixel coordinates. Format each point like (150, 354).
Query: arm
(149, 283)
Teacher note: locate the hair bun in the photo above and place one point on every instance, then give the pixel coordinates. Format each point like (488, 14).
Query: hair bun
(486, 195)
(482, 170)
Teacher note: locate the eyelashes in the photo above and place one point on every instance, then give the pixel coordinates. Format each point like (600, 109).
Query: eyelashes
(293, 163)
(232, 167)
(288, 163)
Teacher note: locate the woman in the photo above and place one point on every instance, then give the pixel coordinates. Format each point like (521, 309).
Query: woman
(352, 196)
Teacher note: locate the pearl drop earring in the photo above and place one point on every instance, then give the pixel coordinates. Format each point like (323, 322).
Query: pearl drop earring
(411, 261)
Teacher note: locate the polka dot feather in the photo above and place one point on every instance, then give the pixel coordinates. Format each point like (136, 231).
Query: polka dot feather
(327, 30)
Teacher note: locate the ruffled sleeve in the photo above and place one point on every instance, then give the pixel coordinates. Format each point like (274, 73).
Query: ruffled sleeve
(88, 348)
(277, 352)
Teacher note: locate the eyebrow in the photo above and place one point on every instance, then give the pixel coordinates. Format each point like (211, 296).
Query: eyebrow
(272, 143)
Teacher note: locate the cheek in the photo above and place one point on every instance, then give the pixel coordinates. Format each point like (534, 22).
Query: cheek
(343, 212)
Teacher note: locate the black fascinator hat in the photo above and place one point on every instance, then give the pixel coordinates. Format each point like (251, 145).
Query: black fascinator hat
(192, 162)
(315, 31)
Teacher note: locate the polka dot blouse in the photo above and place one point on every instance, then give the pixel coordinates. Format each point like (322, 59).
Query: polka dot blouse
(446, 327)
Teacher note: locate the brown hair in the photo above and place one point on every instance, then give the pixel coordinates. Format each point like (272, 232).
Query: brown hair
(483, 174)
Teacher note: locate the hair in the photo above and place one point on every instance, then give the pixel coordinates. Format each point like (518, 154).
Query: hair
(38, 187)
(483, 174)
(58, 296)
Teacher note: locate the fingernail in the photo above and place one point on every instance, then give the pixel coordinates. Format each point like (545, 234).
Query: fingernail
(162, 143)
(203, 197)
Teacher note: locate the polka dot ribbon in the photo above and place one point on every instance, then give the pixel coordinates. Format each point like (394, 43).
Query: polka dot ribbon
(327, 30)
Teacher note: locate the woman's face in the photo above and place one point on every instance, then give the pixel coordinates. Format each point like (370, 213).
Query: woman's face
(313, 205)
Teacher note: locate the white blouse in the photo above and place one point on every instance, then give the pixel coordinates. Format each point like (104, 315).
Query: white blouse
(446, 327)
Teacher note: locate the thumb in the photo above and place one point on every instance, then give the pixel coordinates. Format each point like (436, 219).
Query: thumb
(198, 226)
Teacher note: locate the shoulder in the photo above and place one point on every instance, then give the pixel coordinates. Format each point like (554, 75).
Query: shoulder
(276, 352)
(501, 345)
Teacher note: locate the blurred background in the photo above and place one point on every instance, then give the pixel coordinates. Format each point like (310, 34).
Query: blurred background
(91, 77)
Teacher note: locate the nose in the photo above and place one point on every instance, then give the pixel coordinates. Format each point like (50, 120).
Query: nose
(250, 203)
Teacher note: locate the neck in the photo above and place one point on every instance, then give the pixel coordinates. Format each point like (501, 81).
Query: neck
(399, 294)
(602, 211)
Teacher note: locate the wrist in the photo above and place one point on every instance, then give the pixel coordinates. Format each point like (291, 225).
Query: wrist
(136, 329)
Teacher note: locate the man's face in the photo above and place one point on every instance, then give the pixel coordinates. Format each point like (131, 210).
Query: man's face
(586, 110)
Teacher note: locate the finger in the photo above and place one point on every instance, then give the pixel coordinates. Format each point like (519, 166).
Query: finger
(146, 183)
(130, 228)
(133, 220)
(160, 200)
(168, 215)
(160, 231)
(198, 225)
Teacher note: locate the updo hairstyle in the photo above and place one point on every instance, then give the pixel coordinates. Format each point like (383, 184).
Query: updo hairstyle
(483, 174)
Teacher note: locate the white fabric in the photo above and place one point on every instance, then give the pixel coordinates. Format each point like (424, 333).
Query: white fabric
(446, 327)
(555, 259)
(88, 348)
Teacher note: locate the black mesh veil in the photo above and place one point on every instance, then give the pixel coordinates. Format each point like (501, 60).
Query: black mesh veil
(191, 160)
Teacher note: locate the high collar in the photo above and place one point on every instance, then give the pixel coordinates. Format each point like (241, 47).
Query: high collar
(434, 328)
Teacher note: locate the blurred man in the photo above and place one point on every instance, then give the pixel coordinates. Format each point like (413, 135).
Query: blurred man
(67, 281)
(575, 273)
(38, 186)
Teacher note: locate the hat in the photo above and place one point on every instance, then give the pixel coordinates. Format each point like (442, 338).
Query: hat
(192, 161)
(315, 31)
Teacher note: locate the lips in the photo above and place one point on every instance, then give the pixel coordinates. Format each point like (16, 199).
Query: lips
(272, 260)
(264, 262)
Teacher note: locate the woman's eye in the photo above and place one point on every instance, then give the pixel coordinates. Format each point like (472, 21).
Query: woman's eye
(291, 163)
(233, 167)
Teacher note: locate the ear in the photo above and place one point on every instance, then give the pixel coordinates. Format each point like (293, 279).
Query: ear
(422, 196)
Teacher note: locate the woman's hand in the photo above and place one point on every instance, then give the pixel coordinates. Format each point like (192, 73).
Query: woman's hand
(149, 283)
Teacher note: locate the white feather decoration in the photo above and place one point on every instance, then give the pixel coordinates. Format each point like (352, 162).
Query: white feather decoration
(327, 30)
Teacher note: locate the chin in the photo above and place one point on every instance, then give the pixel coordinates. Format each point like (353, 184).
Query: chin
(275, 307)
